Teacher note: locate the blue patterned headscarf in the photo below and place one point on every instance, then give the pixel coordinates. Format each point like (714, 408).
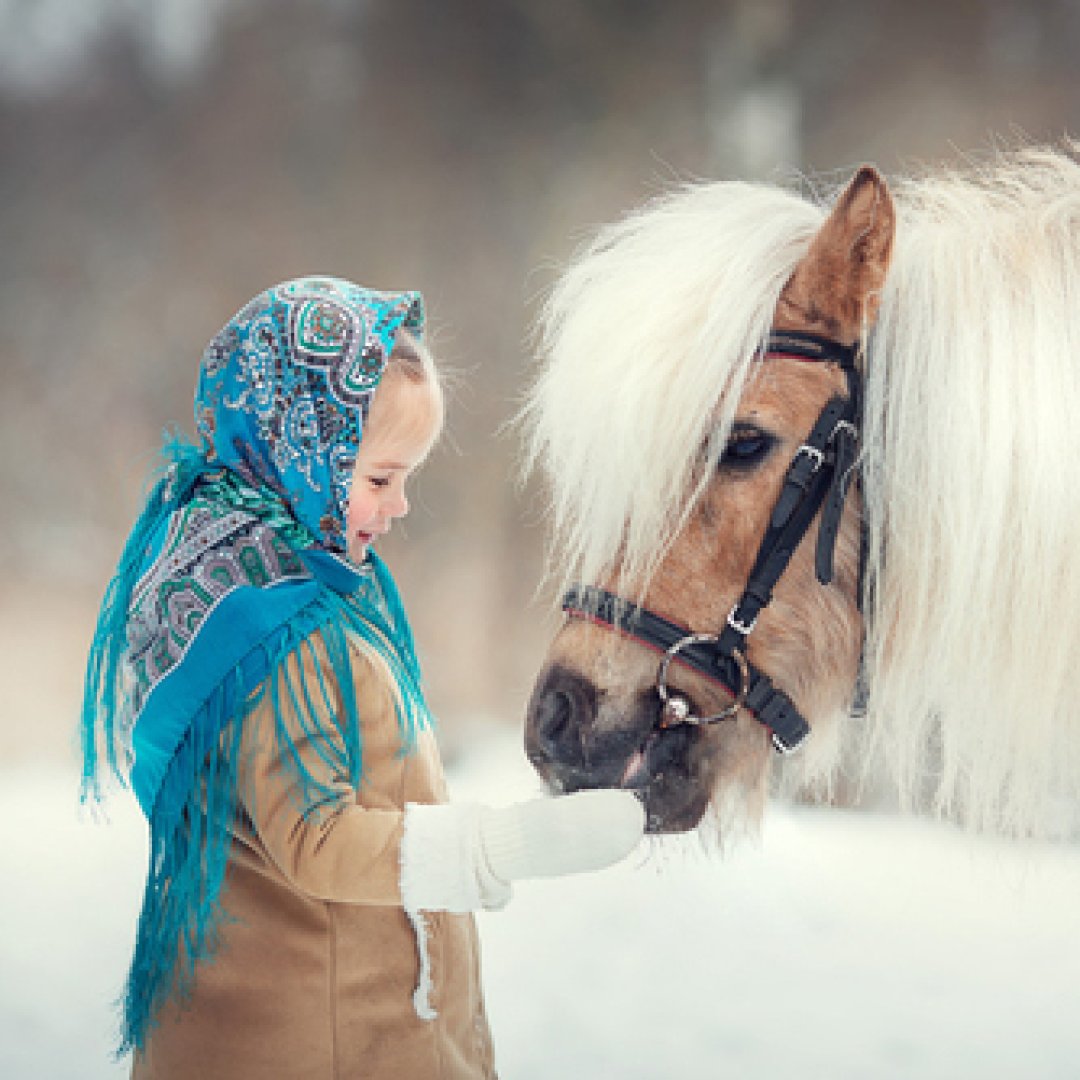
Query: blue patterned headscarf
(236, 564)
(285, 386)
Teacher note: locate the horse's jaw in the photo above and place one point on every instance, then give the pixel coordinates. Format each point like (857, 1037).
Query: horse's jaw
(673, 772)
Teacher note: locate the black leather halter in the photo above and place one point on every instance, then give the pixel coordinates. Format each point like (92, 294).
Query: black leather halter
(817, 479)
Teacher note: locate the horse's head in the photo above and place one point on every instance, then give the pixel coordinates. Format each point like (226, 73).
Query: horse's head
(684, 537)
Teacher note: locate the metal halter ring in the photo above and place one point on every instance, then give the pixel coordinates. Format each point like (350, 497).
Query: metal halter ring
(676, 709)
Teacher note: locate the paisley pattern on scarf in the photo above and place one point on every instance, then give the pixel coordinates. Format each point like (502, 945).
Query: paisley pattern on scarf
(211, 547)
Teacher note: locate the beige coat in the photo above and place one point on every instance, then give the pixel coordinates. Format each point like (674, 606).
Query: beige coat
(318, 962)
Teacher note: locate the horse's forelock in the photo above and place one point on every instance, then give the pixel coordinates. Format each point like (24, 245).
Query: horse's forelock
(645, 343)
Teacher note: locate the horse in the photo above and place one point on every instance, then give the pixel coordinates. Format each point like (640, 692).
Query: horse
(810, 468)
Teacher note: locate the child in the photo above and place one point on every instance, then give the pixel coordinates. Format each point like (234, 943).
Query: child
(253, 677)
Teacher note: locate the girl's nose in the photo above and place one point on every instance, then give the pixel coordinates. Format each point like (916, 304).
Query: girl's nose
(397, 505)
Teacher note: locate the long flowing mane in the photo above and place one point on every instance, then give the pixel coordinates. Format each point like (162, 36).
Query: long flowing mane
(972, 447)
(635, 380)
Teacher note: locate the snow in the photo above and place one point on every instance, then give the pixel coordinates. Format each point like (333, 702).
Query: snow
(840, 945)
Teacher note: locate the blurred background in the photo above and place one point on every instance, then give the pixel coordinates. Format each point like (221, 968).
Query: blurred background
(164, 160)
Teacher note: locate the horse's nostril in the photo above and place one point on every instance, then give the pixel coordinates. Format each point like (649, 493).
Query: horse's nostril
(554, 723)
(553, 714)
(560, 707)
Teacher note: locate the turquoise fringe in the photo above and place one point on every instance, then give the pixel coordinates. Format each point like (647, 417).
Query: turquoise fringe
(191, 826)
(196, 806)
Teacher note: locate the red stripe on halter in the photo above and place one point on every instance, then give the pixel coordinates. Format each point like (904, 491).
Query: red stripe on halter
(802, 359)
(605, 625)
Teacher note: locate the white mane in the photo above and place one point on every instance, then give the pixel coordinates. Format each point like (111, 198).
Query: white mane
(972, 448)
(645, 344)
(972, 452)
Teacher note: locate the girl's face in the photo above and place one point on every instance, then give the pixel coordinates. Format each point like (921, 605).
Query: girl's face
(402, 425)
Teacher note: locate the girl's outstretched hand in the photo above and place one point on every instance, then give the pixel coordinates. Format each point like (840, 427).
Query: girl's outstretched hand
(567, 834)
(460, 856)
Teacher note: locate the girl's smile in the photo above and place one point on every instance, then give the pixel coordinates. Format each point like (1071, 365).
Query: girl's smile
(403, 423)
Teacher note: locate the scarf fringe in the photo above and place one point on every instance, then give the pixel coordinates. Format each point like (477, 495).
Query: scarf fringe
(195, 809)
(191, 826)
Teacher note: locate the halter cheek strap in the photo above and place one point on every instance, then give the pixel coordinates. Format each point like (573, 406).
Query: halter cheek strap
(817, 478)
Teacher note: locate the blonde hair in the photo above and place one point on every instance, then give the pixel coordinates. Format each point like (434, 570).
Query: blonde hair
(412, 360)
(411, 356)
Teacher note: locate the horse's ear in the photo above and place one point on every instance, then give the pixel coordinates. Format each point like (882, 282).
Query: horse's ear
(836, 289)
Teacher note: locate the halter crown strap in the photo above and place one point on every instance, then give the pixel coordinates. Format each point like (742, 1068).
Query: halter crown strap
(818, 475)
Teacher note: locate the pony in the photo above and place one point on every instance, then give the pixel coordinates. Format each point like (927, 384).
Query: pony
(811, 470)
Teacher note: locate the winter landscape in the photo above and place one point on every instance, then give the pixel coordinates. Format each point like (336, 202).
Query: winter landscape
(167, 160)
(840, 946)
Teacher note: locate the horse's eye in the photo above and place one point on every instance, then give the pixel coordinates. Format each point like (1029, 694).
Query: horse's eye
(746, 448)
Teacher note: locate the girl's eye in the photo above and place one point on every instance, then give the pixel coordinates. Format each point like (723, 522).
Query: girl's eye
(746, 448)
(378, 481)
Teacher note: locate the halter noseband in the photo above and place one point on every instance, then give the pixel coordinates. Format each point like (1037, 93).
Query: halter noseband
(817, 479)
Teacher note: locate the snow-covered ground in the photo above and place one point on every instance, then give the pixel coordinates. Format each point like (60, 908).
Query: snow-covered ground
(841, 946)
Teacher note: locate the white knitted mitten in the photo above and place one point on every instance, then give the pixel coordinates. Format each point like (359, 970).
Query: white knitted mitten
(587, 830)
(460, 857)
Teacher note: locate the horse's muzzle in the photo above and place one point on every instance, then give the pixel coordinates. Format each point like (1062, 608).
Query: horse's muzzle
(571, 751)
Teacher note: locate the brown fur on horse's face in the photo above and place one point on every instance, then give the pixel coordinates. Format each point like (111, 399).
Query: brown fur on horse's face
(595, 706)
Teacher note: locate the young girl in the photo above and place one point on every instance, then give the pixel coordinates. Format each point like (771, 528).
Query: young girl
(253, 678)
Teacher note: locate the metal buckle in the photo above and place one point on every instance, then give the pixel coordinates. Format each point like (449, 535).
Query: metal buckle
(676, 709)
(741, 627)
(782, 747)
(844, 425)
(815, 455)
